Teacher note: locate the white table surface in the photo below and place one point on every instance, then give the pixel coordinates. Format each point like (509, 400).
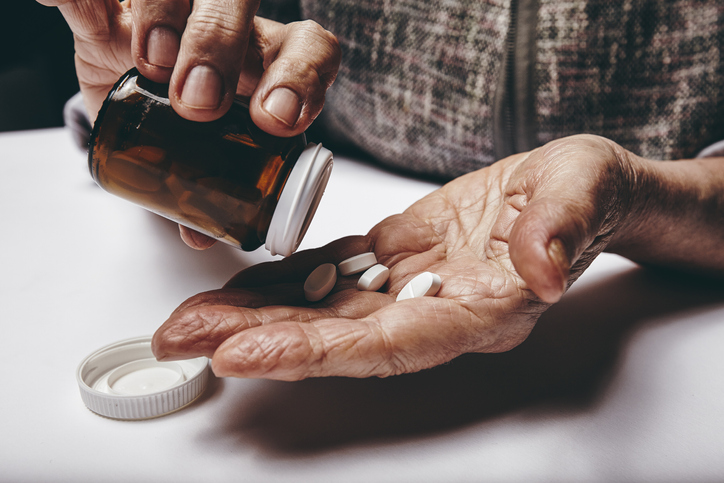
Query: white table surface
(622, 380)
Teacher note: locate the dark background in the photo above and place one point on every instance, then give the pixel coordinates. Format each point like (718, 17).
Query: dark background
(37, 74)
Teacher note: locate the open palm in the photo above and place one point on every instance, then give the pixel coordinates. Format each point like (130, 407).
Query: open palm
(473, 232)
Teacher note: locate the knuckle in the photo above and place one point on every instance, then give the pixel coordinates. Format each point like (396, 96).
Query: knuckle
(317, 32)
(309, 36)
(304, 75)
(262, 350)
(186, 330)
(201, 322)
(153, 11)
(296, 70)
(211, 24)
(287, 353)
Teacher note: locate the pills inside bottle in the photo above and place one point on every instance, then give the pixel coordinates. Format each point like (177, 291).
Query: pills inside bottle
(226, 178)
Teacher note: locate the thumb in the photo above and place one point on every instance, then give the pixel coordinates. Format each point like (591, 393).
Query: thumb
(560, 222)
(542, 249)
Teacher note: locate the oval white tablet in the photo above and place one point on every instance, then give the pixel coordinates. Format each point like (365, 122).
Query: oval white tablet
(425, 284)
(374, 278)
(357, 263)
(320, 282)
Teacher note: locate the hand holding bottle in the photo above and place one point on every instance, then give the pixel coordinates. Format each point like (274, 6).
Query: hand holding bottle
(209, 53)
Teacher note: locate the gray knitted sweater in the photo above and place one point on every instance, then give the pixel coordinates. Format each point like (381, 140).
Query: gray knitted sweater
(444, 87)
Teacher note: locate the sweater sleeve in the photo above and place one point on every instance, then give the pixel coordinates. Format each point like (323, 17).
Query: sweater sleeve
(713, 151)
(76, 121)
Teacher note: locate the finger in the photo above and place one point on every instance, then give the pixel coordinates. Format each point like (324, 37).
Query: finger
(194, 239)
(102, 34)
(301, 60)
(204, 322)
(562, 216)
(157, 29)
(402, 337)
(211, 54)
(538, 252)
(192, 328)
(88, 19)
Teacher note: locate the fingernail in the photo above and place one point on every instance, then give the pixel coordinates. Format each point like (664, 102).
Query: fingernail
(202, 89)
(557, 254)
(162, 47)
(283, 104)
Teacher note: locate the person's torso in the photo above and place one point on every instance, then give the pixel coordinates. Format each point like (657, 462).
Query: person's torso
(446, 87)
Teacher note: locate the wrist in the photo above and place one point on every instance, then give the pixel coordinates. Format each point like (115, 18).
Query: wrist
(638, 185)
(674, 216)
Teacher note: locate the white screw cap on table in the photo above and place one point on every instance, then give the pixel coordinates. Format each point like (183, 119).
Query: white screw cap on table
(125, 381)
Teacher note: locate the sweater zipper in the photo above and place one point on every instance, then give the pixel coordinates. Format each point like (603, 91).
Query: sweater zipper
(514, 108)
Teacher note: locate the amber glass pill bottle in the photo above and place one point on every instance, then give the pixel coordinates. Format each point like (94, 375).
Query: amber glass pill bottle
(226, 178)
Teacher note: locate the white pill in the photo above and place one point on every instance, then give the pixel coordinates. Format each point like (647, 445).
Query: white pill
(320, 282)
(425, 284)
(357, 263)
(374, 278)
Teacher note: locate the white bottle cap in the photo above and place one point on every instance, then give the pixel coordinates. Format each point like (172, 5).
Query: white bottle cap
(299, 200)
(125, 381)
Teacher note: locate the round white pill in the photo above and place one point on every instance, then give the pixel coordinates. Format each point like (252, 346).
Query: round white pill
(425, 284)
(374, 278)
(320, 282)
(357, 263)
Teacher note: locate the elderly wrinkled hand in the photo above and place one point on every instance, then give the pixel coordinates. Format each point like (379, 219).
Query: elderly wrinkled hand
(209, 54)
(506, 241)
